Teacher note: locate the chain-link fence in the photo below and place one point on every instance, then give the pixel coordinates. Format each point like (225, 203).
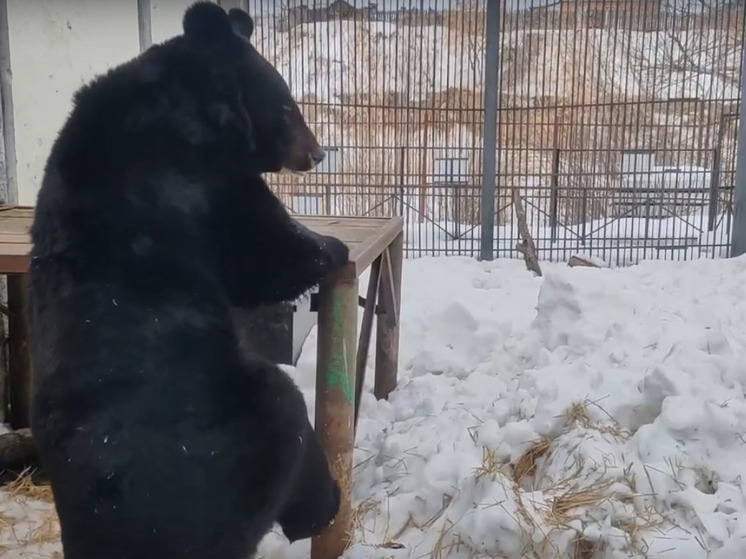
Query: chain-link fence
(616, 120)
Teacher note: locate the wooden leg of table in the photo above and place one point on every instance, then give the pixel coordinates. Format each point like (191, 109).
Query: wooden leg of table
(387, 332)
(335, 397)
(363, 348)
(19, 357)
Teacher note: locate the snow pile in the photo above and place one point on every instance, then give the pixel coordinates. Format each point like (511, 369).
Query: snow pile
(594, 411)
(590, 413)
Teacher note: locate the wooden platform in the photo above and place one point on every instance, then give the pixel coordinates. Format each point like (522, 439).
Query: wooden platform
(15, 244)
(367, 237)
(374, 243)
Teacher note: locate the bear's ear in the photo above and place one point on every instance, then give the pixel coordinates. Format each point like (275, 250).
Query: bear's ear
(241, 22)
(206, 23)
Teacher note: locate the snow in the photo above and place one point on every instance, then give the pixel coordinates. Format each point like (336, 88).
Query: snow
(619, 241)
(341, 58)
(625, 385)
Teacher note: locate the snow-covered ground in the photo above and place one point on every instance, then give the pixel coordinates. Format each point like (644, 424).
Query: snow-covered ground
(590, 413)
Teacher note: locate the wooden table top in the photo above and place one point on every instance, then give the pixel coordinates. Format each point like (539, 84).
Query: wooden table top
(367, 237)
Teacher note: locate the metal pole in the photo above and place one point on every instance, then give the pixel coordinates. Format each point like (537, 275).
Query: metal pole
(10, 194)
(144, 25)
(738, 231)
(491, 100)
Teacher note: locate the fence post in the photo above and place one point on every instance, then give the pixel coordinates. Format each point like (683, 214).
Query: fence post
(144, 24)
(554, 193)
(10, 184)
(714, 189)
(491, 101)
(738, 230)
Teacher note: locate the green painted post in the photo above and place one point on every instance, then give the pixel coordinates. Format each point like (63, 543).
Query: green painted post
(335, 399)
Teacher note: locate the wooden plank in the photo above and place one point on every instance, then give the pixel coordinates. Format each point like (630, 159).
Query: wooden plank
(15, 239)
(335, 393)
(13, 264)
(374, 245)
(529, 249)
(16, 210)
(366, 237)
(361, 362)
(387, 332)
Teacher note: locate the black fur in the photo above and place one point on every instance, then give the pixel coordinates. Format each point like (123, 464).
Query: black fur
(160, 437)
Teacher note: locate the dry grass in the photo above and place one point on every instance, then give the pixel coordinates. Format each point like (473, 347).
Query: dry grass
(445, 547)
(584, 549)
(23, 487)
(578, 497)
(360, 513)
(39, 529)
(490, 466)
(47, 532)
(577, 416)
(526, 465)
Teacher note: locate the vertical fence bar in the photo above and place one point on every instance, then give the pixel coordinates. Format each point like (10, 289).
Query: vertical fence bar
(738, 232)
(714, 189)
(554, 194)
(10, 193)
(144, 24)
(491, 101)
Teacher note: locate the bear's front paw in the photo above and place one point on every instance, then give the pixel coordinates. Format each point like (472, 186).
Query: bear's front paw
(312, 514)
(337, 252)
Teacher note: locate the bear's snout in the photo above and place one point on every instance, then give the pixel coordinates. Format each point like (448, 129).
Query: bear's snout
(317, 156)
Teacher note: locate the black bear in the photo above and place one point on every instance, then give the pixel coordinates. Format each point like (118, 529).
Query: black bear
(160, 437)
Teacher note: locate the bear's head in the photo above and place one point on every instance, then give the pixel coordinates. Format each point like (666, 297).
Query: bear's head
(261, 105)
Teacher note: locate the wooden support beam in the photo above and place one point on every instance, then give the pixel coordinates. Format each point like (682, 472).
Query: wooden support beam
(144, 24)
(335, 399)
(387, 331)
(19, 382)
(9, 194)
(527, 248)
(363, 347)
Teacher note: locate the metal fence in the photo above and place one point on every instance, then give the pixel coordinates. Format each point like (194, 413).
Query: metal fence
(616, 120)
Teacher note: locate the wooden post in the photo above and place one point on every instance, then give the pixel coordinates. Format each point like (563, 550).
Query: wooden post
(335, 397)
(527, 247)
(371, 301)
(387, 331)
(9, 194)
(144, 24)
(19, 384)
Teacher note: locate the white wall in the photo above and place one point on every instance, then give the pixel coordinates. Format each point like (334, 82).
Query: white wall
(58, 45)
(166, 16)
